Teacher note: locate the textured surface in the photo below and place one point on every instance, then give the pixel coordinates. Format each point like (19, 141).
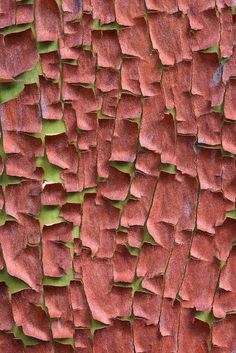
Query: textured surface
(118, 176)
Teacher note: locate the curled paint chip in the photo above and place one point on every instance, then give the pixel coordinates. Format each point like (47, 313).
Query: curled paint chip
(5, 309)
(103, 10)
(106, 45)
(28, 314)
(170, 36)
(17, 254)
(9, 344)
(118, 299)
(117, 176)
(174, 202)
(58, 305)
(47, 20)
(7, 13)
(56, 257)
(222, 333)
(211, 210)
(229, 107)
(18, 54)
(135, 41)
(22, 114)
(147, 306)
(116, 338)
(146, 337)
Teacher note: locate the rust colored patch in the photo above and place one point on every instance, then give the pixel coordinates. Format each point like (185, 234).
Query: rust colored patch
(175, 271)
(209, 23)
(209, 165)
(9, 344)
(223, 333)
(117, 185)
(61, 153)
(135, 41)
(147, 306)
(174, 202)
(116, 338)
(22, 261)
(56, 256)
(170, 36)
(106, 45)
(169, 325)
(114, 301)
(47, 20)
(22, 114)
(209, 128)
(117, 176)
(81, 312)
(83, 341)
(18, 54)
(50, 65)
(211, 210)
(58, 305)
(125, 139)
(229, 102)
(127, 12)
(136, 210)
(104, 10)
(28, 314)
(41, 347)
(198, 291)
(24, 14)
(146, 337)
(193, 333)
(7, 13)
(5, 309)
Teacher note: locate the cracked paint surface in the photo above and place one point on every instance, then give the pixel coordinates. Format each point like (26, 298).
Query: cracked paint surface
(117, 176)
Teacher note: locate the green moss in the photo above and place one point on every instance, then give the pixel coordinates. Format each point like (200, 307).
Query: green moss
(205, 316)
(171, 112)
(31, 76)
(49, 215)
(119, 204)
(52, 173)
(97, 325)
(108, 27)
(76, 232)
(65, 341)
(9, 91)
(14, 284)
(51, 127)
(136, 285)
(168, 168)
(59, 281)
(7, 180)
(125, 167)
(222, 263)
(213, 49)
(47, 47)
(78, 197)
(5, 217)
(231, 214)
(123, 229)
(27, 340)
(75, 197)
(15, 28)
(102, 116)
(132, 250)
(148, 238)
(218, 108)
